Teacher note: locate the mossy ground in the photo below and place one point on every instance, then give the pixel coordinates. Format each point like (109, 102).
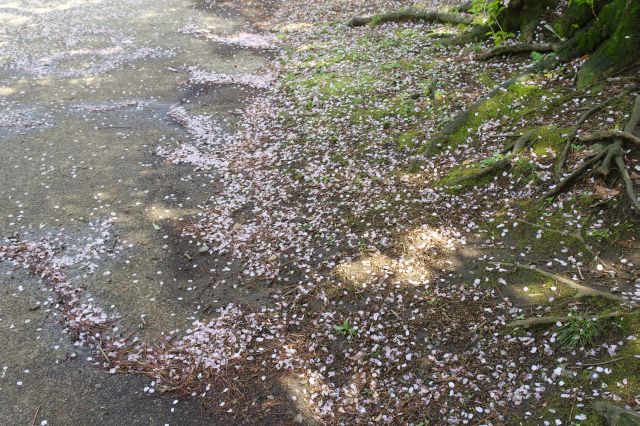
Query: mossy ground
(621, 377)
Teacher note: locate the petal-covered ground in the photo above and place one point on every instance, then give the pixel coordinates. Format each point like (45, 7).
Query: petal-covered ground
(346, 269)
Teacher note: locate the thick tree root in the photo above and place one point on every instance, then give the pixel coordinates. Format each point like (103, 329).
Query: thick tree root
(514, 48)
(615, 415)
(602, 135)
(487, 171)
(546, 320)
(504, 164)
(608, 154)
(411, 15)
(475, 34)
(582, 291)
(458, 120)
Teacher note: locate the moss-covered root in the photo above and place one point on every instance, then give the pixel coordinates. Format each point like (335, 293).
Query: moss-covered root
(609, 30)
(411, 15)
(615, 415)
(504, 164)
(514, 48)
(475, 34)
(606, 156)
(460, 119)
(612, 38)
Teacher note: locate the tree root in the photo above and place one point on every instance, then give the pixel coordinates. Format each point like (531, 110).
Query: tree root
(461, 117)
(601, 135)
(582, 291)
(573, 134)
(586, 165)
(551, 319)
(487, 171)
(464, 7)
(411, 15)
(475, 34)
(504, 164)
(613, 152)
(515, 48)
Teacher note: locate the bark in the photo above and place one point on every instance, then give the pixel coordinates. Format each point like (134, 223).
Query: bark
(523, 16)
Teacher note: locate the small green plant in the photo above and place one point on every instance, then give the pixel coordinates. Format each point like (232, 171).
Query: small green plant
(579, 331)
(346, 329)
(306, 227)
(434, 302)
(600, 234)
(500, 37)
(537, 56)
(618, 322)
(487, 12)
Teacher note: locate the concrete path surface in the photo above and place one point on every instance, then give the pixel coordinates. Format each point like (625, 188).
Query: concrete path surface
(85, 88)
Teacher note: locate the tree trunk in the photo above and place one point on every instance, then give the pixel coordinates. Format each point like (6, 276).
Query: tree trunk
(607, 30)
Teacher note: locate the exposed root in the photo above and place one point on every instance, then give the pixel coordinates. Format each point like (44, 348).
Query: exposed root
(582, 291)
(475, 34)
(411, 15)
(586, 165)
(608, 154)
(522, 141)
(487, 171)
(459, 120)
(552, 319)
(627, 182)
(609, 134)
(573, 134)
(515, 48)
(503, 164)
